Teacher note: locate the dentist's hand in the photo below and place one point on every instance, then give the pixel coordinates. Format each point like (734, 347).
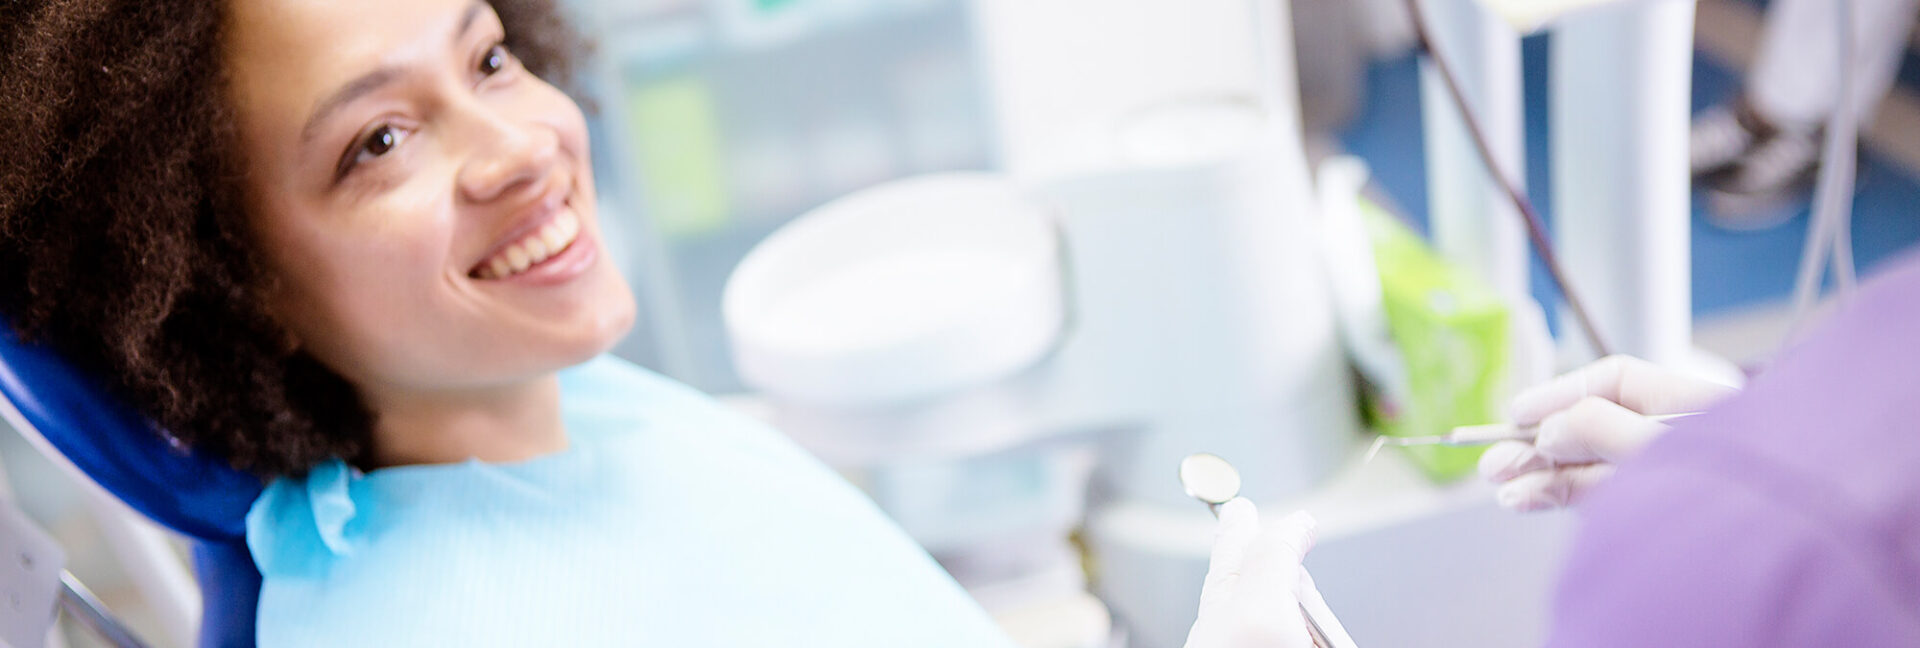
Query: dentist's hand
(1255, 582)
(1588, 420)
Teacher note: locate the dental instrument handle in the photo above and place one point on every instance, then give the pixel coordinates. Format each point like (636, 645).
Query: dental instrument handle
(1314, 632)
(1469, 435)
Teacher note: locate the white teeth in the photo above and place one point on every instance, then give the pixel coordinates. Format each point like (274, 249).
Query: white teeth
(517, 257)
(533, 248)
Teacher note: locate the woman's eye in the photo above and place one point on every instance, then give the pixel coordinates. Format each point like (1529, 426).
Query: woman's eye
(375, 144)
(495, 60)
(380, 142)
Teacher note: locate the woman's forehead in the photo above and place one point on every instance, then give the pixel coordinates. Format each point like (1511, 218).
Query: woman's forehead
(290, 54)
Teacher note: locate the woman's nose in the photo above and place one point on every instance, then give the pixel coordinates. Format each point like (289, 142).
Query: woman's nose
(505, 155)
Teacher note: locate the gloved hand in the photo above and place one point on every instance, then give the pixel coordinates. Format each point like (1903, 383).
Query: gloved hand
(1589, 419)
(1255, 583)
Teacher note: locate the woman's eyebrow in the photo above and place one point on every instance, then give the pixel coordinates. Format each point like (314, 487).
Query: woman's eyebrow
(371, 81)
(466, 20)
(359, 87)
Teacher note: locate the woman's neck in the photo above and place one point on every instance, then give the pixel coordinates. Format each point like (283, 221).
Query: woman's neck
(495, 425)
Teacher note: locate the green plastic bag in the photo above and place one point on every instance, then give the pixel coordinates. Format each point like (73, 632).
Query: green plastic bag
(1453, 334)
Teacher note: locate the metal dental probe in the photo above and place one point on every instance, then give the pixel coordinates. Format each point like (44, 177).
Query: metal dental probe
(1472, 435)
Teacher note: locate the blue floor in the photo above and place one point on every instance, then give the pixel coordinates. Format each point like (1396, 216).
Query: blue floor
(1730, 269)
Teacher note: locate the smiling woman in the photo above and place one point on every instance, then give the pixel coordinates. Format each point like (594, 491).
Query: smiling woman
(124, 233)
(404, 181)
(352, 246)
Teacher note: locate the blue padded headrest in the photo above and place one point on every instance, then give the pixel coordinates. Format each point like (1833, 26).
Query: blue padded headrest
(197, 496)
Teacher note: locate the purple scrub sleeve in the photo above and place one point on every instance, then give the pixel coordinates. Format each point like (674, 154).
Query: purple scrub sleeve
(1787, 516)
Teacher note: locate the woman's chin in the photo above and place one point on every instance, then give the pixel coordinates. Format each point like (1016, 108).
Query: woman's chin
(610, 324)
(598, 319)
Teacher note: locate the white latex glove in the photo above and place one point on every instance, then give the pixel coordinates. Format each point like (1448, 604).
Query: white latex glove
(1589, 419)
(1255, 584)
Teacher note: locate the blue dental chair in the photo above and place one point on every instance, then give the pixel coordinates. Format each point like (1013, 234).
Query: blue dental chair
(199, 497)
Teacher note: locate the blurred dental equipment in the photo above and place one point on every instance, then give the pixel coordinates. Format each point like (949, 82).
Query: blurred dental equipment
(932, 332)
(1529, 15)
(1620, 105)
(31, 577)
(1213, 481)
(36, 586)
(1475, 435)
(1187, 312)
(1829, 229)
(901, 292)
(1536, 230)
(76, 601)
(894, 333)
(984, 400)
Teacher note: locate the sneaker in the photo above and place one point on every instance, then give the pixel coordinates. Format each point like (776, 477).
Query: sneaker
(1768, 185)
(1719, 136)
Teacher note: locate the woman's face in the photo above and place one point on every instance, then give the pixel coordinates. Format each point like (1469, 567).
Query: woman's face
(425, 202)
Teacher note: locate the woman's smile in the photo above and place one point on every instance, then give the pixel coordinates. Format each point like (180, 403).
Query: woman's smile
(546, 245)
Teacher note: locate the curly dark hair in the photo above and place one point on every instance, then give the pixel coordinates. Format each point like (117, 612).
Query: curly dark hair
(123, 241)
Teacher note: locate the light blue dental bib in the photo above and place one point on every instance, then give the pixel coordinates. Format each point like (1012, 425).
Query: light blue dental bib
(669, 521)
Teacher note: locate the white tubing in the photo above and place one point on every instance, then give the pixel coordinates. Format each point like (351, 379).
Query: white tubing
(1830, 225)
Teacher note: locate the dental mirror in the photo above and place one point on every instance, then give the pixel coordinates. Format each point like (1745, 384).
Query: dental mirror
(1210, 479)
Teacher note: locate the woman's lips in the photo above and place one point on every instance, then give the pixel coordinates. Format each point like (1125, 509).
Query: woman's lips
(532, 250)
